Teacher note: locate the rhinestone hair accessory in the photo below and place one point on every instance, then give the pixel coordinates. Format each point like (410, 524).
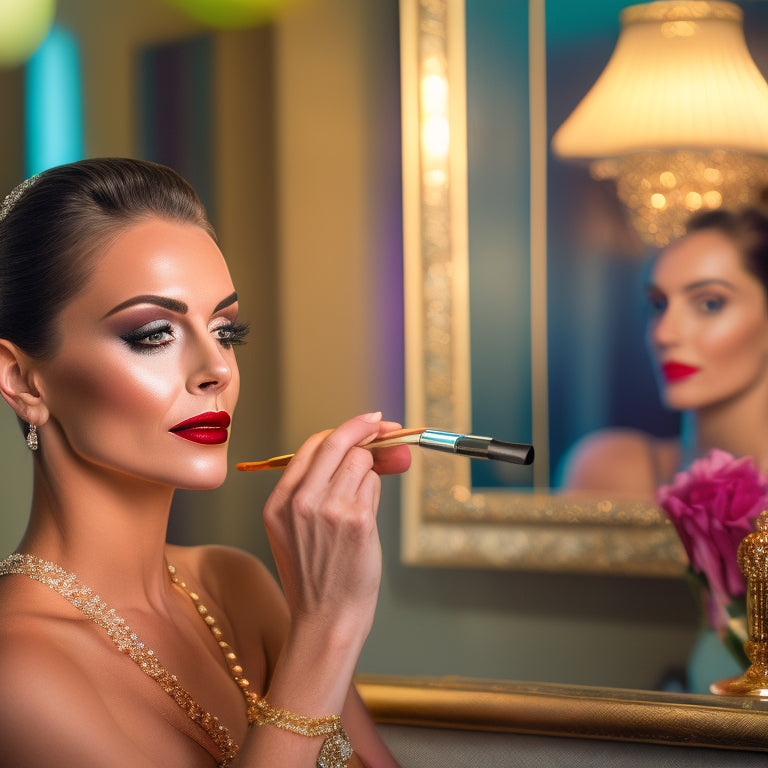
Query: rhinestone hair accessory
(13, 196)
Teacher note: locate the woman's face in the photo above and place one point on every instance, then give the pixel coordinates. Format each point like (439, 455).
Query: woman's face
(145, 379)
(709, 330)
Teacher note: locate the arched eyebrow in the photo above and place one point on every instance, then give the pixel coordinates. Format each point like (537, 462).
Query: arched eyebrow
(690, 287)
(231, 299)
(174, 305)
(710, 281)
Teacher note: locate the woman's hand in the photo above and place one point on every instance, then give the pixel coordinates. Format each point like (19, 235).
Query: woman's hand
(321, 523)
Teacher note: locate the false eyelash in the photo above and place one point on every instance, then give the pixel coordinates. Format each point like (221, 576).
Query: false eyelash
(234, 333)
(135, 338)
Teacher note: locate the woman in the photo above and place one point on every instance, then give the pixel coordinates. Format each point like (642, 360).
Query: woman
(118, 322)
(709, 336)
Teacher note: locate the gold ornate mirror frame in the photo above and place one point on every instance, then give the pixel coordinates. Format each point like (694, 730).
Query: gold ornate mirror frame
(447, 522)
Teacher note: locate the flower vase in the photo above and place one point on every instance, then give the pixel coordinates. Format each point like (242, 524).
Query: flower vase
(717, 653)
(710, 660)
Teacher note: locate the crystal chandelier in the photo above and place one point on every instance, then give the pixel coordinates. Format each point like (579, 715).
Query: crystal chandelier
(679, 116)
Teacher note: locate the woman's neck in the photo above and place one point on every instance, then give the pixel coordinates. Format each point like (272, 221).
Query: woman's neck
(110, 533)
(738, 427)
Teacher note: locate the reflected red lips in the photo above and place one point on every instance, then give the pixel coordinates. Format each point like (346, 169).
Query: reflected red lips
(205, 428)
(677, 371)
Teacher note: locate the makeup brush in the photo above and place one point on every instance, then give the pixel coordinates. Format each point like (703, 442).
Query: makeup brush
(450, 442)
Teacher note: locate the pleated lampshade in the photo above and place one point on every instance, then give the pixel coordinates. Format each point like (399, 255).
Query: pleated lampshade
(679, 116)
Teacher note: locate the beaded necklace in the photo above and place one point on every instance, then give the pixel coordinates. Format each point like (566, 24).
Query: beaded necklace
(93, 607)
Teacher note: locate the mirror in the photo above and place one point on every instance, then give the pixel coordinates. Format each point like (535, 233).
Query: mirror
(525, 308)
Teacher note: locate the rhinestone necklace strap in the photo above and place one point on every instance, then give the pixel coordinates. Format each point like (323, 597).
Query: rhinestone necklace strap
(94, 608)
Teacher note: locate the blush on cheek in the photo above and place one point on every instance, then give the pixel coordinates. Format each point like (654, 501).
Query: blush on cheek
(89, 392)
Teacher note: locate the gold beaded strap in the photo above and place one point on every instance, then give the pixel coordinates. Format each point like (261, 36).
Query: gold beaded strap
(226, 649)
(94, 608)
(336, 749)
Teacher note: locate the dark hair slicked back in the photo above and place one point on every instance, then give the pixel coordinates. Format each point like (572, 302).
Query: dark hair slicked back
(51, 235)
(747, 229)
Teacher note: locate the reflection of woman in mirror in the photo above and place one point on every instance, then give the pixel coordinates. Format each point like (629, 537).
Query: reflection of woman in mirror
(708, 334)
(118, 326)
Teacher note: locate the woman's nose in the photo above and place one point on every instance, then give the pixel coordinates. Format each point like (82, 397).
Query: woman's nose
(211, 370)
(665, 327)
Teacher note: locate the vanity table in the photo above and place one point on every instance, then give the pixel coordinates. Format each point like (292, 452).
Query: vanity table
(455, 722)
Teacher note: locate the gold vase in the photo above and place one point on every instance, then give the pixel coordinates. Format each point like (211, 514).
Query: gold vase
(753, 563)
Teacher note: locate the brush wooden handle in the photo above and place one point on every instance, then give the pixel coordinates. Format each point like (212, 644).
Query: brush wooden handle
(276, 462)
(398, 437)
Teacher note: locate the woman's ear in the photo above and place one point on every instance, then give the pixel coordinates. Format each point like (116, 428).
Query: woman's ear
(17, 384)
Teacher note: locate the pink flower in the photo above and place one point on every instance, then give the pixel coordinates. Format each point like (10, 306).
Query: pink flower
(713, 507)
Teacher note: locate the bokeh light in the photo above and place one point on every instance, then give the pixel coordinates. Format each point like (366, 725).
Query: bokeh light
(232, 14)
(23, 26)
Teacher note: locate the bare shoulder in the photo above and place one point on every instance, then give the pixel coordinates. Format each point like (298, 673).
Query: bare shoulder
(56, 714)
(222, 569)
(629, 443)
(27, 655)
(624, 461)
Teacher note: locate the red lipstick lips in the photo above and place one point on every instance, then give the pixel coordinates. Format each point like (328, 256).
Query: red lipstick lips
(205, 428)
(677, 371)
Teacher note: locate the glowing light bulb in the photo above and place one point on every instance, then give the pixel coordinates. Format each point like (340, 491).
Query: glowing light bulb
(713, 199)
(668, 179)
(693, 201)
(434, 94)
(435, 136)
